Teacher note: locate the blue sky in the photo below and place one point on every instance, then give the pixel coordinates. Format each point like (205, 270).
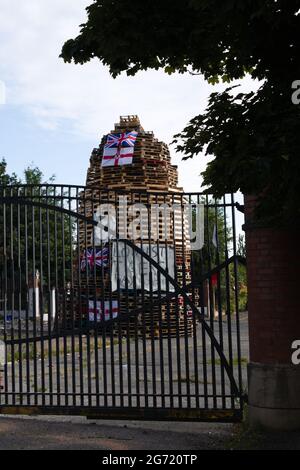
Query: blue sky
(56, 113)
(59, 152)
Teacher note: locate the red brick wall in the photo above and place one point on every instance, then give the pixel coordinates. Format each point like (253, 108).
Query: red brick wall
(273, 266)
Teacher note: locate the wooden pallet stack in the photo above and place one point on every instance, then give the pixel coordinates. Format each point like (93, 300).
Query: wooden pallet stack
(151, 169)
(150, 180)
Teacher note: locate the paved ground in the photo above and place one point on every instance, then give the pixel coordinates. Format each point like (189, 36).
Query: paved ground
(246, 439)
(79, 433)
(56, 433)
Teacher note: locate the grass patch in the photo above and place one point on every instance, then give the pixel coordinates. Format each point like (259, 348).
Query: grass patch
(235, 361)
(245, 437)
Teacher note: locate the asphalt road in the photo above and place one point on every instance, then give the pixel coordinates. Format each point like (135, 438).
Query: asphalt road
(56, 433)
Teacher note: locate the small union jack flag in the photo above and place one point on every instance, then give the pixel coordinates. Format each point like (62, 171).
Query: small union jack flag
(119, 149)
(91, 257)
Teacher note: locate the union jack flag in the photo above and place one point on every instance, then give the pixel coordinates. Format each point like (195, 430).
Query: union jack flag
(91, 257)
(119, 149)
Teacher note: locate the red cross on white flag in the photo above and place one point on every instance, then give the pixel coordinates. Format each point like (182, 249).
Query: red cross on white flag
(119, 149)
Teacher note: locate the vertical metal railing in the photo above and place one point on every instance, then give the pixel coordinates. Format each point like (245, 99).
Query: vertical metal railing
(116, 323)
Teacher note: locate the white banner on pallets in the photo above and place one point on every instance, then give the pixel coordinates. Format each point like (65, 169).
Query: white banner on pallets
(2, 353)
(131, 271)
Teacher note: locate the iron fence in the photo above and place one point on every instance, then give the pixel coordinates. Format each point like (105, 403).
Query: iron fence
(120, 304)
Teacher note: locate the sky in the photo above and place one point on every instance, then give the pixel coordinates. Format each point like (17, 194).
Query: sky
(54, 113)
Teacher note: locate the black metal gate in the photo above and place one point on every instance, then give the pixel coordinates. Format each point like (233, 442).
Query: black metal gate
(120, 305)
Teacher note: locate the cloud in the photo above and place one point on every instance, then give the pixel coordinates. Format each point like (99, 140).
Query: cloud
(85, 99)
(2, 93)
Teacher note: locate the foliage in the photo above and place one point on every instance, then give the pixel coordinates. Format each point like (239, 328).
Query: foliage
(242, 274)
(219, 39)
(215, 225)
(5, 178)
(217, 228)
(254, 136)
(241, 246)
(32, 238)
(255, 140)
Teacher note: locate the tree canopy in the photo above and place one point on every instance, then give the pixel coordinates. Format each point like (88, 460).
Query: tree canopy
(254, 137)
(31, 175)
(33, 238)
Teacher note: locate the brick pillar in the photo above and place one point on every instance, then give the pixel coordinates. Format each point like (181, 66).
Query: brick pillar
(273, 265)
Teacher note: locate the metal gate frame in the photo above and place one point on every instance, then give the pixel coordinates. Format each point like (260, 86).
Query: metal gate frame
(226, 414)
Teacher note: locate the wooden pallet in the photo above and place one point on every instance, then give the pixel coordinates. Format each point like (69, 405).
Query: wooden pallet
(151, 172)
